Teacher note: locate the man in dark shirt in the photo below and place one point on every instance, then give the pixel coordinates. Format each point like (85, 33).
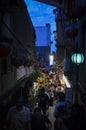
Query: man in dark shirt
(43, 101)
(39, 121)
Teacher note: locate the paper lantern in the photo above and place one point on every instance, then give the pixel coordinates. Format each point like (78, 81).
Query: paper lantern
(17, 61)
(71, 32)
(77, 12)
(5, 50)
(26, 62)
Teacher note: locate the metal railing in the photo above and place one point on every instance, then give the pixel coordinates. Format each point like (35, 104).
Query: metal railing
(82, 93)
(81, 88)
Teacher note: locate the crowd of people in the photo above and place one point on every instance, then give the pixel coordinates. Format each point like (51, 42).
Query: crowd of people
(20, 117)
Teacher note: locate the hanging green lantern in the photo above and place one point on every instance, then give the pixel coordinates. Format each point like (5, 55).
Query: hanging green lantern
(77, 58)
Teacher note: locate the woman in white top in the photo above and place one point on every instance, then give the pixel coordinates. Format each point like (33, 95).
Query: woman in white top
(19, 116)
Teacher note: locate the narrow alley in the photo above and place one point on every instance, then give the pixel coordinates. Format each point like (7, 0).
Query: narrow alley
(43, 44)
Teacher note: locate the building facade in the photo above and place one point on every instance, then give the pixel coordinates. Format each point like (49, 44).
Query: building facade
(43, 43)
(17, 45)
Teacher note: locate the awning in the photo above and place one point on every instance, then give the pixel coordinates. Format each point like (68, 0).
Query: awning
(51, 2)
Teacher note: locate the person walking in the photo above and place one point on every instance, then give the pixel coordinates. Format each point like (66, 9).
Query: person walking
(19, 116)
(43, 100)
(60, 113)
(39, 121)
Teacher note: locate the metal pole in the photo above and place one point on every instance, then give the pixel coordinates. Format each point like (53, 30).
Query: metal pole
(77, 80)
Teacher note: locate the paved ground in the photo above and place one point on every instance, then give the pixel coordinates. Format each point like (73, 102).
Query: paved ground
(51, 117)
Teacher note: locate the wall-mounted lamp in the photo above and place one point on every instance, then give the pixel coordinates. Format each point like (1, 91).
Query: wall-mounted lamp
(77, 58)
